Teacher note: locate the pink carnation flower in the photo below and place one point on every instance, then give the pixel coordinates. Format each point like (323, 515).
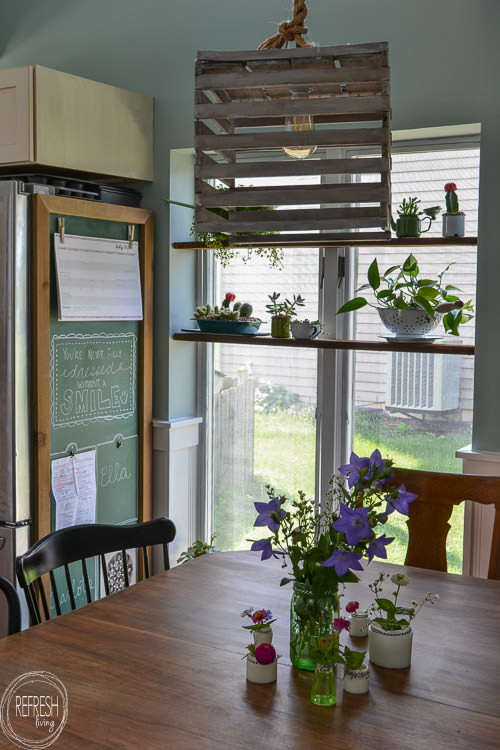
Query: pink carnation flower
(351, 606)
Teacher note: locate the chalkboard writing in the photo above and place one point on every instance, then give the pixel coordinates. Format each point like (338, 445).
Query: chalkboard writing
(93, 378)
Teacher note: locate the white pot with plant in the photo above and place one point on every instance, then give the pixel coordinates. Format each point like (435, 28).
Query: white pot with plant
(409, 305)
(453, 218)
(306, 329)
(262, 619)
(390, 634)
(261, 663)
(282, 313)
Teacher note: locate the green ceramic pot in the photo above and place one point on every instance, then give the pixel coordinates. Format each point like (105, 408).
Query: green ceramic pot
(280, 327)
(411, 226)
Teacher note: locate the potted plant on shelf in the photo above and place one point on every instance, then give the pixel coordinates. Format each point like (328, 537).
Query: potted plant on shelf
(409, 305)
(390, 634)
(409, 222)
(324, 546)
(453, 218)
(282, 313)
(226, 319)
(306, 329)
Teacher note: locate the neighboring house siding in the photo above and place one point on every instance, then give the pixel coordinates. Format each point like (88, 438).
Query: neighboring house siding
(420, 174)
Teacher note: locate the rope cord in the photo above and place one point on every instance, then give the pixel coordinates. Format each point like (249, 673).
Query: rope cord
(290, 31)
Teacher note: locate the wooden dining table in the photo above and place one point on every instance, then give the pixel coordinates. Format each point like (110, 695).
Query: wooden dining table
(159, 665)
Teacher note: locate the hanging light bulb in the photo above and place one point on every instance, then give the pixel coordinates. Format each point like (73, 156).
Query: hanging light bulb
(299, 124)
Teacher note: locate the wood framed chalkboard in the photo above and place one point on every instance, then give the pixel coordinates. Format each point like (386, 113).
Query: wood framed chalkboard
(92, 380)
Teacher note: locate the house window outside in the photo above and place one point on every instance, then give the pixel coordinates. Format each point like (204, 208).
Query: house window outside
(264, 399)
(417, 408)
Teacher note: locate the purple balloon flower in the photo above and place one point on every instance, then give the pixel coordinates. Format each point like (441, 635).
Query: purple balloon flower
(264, 546)
(342, 561)
(270, 514)
(400, 502)
(354, 524)
(377, 548)
(377, 460)
(353, 469)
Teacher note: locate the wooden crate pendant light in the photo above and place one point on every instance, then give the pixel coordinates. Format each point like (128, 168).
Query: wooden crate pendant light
(251, 105)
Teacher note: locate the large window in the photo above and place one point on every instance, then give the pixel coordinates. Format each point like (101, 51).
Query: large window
(416, 408)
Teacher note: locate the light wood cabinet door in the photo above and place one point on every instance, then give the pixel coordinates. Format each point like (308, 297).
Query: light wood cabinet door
(16, 115)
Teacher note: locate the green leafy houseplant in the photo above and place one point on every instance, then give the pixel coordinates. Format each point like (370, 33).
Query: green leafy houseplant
(410, 216)
(197, 549)
(218, 241)
(400, 287)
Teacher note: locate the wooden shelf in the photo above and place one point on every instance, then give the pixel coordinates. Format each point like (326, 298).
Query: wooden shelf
(358, 345)
(294, 241)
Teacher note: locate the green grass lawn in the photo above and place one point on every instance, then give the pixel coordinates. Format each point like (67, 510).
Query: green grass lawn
(285, 458)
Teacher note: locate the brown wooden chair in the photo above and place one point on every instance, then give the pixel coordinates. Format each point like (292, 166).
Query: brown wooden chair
(429, 514)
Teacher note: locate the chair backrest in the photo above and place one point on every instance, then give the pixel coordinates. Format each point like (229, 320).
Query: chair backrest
(429, 514)
(77, 544)
(14, 608)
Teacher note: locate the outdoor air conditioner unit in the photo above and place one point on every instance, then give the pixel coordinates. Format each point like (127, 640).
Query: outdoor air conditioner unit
(423, 382)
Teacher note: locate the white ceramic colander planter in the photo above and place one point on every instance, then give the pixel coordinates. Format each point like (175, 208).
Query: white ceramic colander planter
(408, 322)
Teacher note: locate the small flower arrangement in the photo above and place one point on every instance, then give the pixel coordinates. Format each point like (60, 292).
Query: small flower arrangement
(391, 616)
(325, 546)
(264, 653)
(451, 198)
(261, 619)
(328, 650)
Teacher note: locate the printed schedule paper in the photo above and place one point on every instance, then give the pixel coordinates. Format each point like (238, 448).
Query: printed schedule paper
(74, 489)
(97, 279)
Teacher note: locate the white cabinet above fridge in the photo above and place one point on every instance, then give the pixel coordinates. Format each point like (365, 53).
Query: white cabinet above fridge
(53, 119)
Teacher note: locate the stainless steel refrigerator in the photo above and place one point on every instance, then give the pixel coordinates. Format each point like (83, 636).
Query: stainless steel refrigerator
(16, 432)
(15, 387)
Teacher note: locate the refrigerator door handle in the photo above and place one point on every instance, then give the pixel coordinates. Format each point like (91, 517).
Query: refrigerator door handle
(2, 542)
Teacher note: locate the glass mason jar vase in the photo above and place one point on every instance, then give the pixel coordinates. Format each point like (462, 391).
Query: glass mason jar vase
(311, 617)
(323, 691)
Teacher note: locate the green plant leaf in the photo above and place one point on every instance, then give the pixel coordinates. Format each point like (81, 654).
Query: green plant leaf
(424, 304)
(390, 270)
(386, 606)
(284, 581)
(410, 265)
(353, 304)
(384, 293)
(374, 275)
(400, 304)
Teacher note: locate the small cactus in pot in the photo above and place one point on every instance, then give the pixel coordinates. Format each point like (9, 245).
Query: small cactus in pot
(453, 219)
(226, 318)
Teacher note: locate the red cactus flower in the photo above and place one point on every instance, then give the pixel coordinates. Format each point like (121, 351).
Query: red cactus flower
(230, 297)
(450, 187)
(265, 653)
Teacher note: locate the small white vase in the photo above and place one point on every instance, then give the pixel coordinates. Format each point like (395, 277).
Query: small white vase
(263, 636)
(357, 681)
(454, 224)
(359, 623)
(390, 648)
(261, 673)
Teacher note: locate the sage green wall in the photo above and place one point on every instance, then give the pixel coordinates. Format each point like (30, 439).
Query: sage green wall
(444, 71)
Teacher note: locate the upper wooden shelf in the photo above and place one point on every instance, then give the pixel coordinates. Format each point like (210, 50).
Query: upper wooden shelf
(295, 241)
(356, 345)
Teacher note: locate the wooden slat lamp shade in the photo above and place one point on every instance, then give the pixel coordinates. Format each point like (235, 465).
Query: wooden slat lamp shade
(241, 101)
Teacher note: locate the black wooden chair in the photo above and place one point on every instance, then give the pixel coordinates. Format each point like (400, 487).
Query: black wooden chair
(78, 544)
(14, 608)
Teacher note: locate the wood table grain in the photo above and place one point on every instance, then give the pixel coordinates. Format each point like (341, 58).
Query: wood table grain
(159, 666)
